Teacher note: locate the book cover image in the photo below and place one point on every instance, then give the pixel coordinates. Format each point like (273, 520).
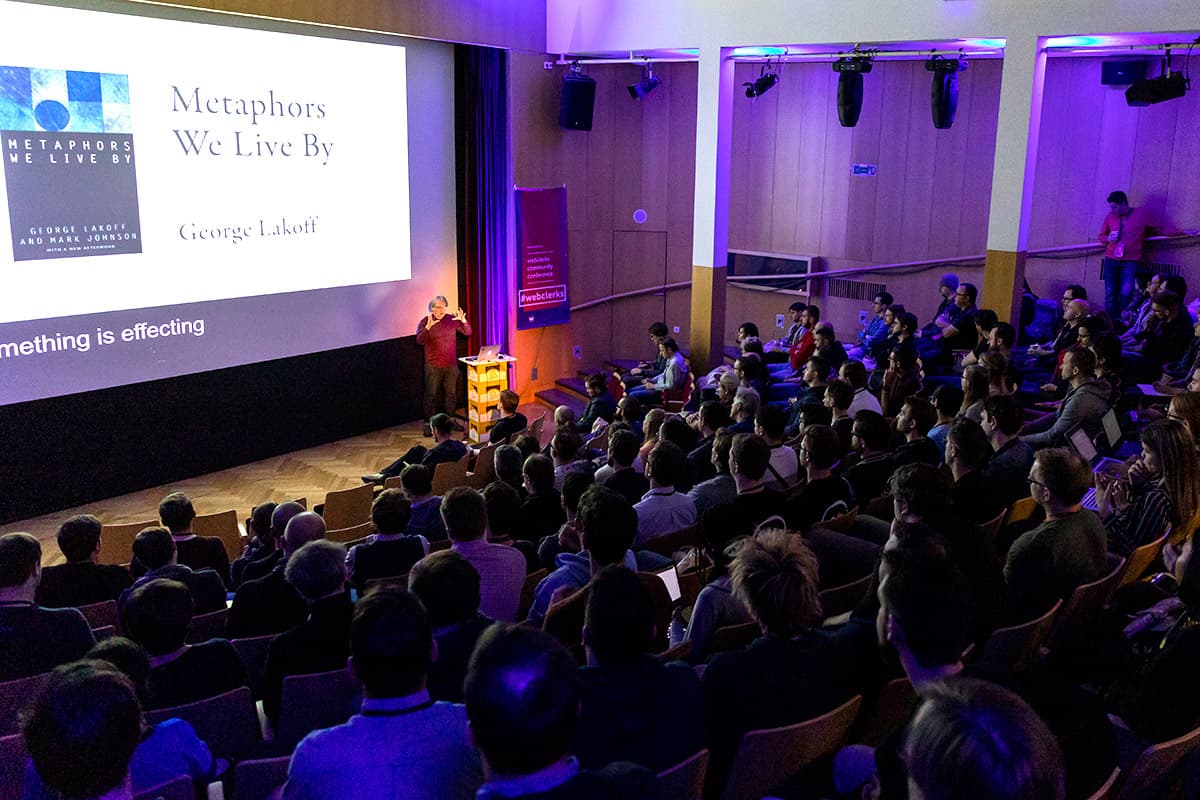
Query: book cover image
(69, 166)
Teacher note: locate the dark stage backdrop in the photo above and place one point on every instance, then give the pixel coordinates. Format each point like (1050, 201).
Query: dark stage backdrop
(65, 451)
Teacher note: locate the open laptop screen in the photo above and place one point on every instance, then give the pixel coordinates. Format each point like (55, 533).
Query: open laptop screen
(1082, 444)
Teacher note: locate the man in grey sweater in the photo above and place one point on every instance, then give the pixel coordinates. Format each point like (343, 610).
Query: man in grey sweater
(1085, 403)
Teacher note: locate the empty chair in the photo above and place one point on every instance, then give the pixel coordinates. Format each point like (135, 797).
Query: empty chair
(1141, 559)
(15, 697)
(842, 523)
(892, 709)
(227, 723)
(535, 429)
(207, 626)
(527, 589)
(310, 702)
(685, 780)
(180, 788)
(766, 758)
(681, 539)
(840, 599)
(733, 637)
(258, 779)
(351, 534)
(12, 766)
(99, 615)
(448, 475)
(348, 507)
(1158, 767)
(253, 653)
(224, 526)
(1015, 647)
(116, 541)
(1021, 511)
(1080, 614)
(485, 467)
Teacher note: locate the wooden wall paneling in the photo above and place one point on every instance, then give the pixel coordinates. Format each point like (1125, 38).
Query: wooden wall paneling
(657, 125)
(575, 148)
(681, 159)
(835, 182)
(1076, 204)
(1183, 189)
(678, 305)
(980, 156)
(893, 164)
(863, 191)
(591, 329)
(631, 317)
(760, 171)
(739, 162)
(601, 150)
(591, 265)
(628, 157)
(639, 260)
(1114, 163)
(1152, 164)
(786, 162)
(946, 212)
(916, 213)
(538, 144)
(815, 118)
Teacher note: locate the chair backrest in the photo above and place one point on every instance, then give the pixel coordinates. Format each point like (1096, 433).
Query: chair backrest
(104, 632)
(535, 429)
(393, 482)
(228, 723)
(1109, 789)
(685, 780)
(12, 767)
(1020, 511)
(100, 614)
(224, 526)
(207, 626)
(842, 523)
(1141, 559)
(180, 787)
(1082, 610)
(253, 653)
(1014, 648)
(766, 758)
(600, 441)
(615, 387)
(485, 467)
(668, 543)
(892, 709)
(733, 637)
(116, 541)
(448, 475)
(680, 652)
(989, 532)
(351, 534)
(1157, 767)
(840, 599)
(310, 702)
(674, 399)
(527, 588)
(15, 697)
(346, 508)
(258, 778)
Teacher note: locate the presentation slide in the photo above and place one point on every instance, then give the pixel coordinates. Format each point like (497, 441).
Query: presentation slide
(182, 196)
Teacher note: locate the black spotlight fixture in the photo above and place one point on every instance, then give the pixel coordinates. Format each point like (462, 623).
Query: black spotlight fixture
(850, 72)
(646, 85)
(1170, 85)
(766, 80)
(943, 96)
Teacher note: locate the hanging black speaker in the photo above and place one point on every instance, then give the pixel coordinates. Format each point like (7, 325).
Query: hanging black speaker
(943, 100)
(577, 101)
(850, 97)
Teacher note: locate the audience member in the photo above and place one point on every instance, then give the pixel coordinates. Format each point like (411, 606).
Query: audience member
(972, 497)
(914, 419)
(501, 569)
(390, 552)
(280, 517)
(659, 332)
(425, 507)
(35, 639)
(745, 408)
(541, 513)
(564, 452)
(402, 742)
(664, 509)
(567, 538)
(1169, 339)
(270, 604)
(876, 331)
(854, 373)
(1012, 457)
(1067, 550)
(523, 695)
(824, 495)
(197, 552)
(600, 405)
(511, 421)
(508, 463)
(322, 642)
(156, 615)
(446, 449)
(632, 707)
(81, 581)
(901, 380)
(671, 377)
(1085, 403)
(83, 730)
(154, 549)
(624, 479)
(784, 465)
(869, 475)
(749, 460)
(448, 586)
(947, 400)
(828, 347)
(976, 387)
(262, 546)
(721, 488)
(838, 397)
(711, 418)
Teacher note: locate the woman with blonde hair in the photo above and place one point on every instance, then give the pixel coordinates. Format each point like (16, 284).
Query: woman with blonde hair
(1185, 408)
(976, 387)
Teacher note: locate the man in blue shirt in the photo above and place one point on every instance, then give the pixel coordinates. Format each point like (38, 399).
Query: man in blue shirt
(402, 743)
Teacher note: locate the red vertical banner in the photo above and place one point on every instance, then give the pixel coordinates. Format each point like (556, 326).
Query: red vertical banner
(542, 275)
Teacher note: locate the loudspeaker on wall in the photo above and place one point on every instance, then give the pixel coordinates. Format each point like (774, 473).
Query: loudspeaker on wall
(577, 101)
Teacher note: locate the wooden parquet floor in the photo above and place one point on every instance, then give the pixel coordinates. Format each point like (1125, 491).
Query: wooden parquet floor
(305, 473)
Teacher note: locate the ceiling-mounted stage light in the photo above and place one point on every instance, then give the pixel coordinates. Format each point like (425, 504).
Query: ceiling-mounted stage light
(646, 85)
(1170, 85)
(766, 80)
(943, 96)
(850, 87)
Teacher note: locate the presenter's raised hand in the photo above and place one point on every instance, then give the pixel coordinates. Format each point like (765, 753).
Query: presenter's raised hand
(460, 315)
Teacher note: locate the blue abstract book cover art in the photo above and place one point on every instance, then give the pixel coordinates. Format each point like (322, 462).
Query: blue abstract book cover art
(69, 166)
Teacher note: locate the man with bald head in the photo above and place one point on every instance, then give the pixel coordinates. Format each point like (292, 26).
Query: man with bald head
(270, 604)
(259, 567)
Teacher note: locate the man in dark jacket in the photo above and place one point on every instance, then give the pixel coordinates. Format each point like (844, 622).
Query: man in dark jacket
(155, 549)
(81, 581)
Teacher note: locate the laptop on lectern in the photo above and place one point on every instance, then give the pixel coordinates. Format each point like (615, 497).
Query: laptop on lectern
(488, 352)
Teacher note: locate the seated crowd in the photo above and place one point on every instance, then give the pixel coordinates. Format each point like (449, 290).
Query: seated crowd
(522, 641)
